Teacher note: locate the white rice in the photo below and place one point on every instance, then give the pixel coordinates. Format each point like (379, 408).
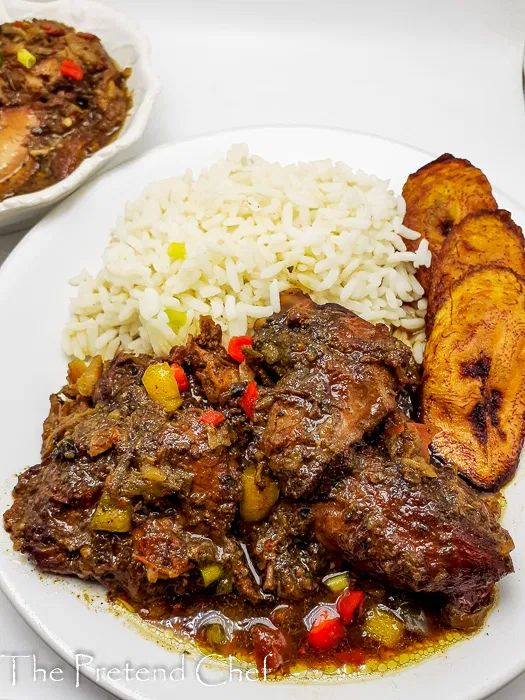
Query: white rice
(251, 229)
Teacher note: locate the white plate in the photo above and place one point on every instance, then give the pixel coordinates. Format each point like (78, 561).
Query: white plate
(129, 48)
(33, 307)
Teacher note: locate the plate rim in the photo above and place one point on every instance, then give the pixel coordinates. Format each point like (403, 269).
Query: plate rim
(26, 612)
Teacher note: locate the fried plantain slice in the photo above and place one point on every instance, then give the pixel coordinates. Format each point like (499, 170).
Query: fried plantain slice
(473, 389)
(438, 196)
(482, 238)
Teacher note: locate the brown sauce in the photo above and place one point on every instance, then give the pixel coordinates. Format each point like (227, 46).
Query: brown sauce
(222, 627)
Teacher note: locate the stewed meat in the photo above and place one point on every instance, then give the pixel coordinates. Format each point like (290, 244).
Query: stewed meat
(417, 528)
(270, 532)
(337, 377)
(291, 560)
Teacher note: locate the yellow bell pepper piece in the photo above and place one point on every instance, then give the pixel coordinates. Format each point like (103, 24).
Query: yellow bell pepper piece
(384, 627)
(176, 318)
(26, 58)
(162, 387)
(75, 370)
(256, 503)
(111, 516)
(211, 573)
(88, 379)
(215, 634)
(177, 251)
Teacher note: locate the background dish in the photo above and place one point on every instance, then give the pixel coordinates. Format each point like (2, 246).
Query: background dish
(74, 234)
(128, 47)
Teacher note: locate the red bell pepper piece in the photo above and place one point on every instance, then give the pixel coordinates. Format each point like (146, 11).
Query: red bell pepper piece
(249, 398)
(212, 417)
(180, 377)
(354, 657)
(236, 345)
(52, 29)
(70, 69)
(326, 631)
(348, 603)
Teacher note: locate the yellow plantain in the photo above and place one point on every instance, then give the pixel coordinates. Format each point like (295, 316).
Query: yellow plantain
(438, 196)
(482, 238)
(473, 391)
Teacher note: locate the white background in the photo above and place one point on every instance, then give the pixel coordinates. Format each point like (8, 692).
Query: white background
(442, 75)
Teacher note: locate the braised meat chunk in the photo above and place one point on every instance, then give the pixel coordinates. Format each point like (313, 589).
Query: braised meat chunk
(417, 529)
(290, 559)
(337, 377)
(207, 359)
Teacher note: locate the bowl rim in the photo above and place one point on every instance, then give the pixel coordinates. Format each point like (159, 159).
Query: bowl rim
(131, 130)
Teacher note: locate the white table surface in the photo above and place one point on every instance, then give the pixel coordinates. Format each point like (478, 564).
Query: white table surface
(444, 76)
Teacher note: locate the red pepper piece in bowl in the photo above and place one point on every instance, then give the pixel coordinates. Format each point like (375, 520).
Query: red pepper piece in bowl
(212, 417)
(348, 604)
(249, 398)
(236, 345)
(180, 377)
(70, 69)
(326, 631)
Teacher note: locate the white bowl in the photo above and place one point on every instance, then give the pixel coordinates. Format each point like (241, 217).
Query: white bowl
(128, 47)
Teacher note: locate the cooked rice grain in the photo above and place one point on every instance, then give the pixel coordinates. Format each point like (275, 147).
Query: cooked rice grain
(251, 229)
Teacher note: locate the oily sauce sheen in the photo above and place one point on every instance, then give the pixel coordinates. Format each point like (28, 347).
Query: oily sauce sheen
(224, 626)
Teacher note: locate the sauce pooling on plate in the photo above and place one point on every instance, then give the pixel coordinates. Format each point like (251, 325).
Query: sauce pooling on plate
(62, 97)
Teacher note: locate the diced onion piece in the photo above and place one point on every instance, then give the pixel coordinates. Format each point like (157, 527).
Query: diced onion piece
(384, 627)
(159, 382)
(211, 573)
(110, 516)
(152, 473)
(256, 503)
